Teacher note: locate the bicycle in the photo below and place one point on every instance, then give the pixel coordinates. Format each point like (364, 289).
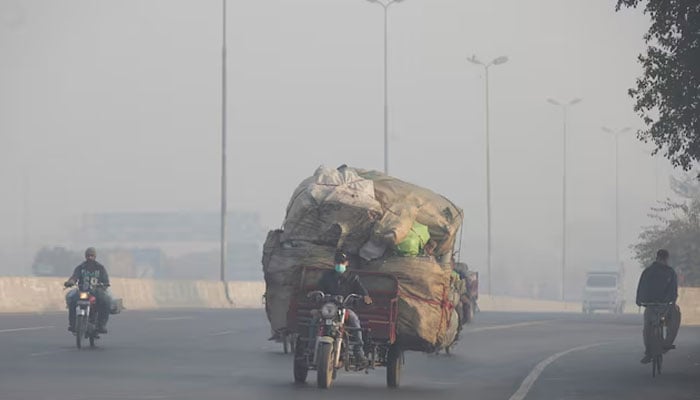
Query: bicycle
(658, 335)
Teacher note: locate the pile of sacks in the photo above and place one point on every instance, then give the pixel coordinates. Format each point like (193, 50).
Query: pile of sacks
(385, 225)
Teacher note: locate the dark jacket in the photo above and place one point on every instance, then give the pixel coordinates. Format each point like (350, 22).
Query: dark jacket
(342, 284)
(658, 284)
(90, 272)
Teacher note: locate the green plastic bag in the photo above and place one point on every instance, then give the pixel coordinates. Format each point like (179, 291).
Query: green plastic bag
(413, 244)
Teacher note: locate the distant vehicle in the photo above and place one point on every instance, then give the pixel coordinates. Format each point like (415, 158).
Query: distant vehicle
(56, 261)
(604, 290)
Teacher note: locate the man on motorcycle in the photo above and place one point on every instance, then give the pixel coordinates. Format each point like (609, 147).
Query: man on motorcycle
(93, 275)
(659, 284)
(340, 281)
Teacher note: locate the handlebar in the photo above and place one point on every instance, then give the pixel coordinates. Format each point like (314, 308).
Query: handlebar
(97, 285)
(656, 304)
(319, 295)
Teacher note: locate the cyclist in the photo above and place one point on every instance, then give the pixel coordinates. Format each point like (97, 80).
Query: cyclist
(659, 284)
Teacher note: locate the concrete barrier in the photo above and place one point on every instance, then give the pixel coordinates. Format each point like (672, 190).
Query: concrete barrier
(31, 294)
(518, 304)
(39, 294)
(689, 302)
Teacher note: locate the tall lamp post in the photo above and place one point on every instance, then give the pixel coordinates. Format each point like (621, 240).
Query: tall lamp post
(222, 267)
(386, 4)
(616, 135)
(564, 107)
(495, 61)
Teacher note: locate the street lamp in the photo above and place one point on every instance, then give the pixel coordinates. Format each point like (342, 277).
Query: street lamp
(386, 4)
(617, 134)
(222, 266)
(495, 61)
(564, 107)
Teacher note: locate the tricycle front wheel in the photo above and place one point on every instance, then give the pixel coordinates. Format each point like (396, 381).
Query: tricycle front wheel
(324, 377)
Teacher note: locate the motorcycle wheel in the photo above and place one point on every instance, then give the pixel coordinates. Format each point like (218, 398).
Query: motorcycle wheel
(301, 368)
(393, 367)
(79, 332)
(324, 376)
(293, 342)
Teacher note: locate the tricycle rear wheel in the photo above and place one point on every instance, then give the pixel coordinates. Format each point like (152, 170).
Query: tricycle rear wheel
(301, 366)
(393, 366)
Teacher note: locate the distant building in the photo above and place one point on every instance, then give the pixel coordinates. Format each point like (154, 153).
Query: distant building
(188, 241)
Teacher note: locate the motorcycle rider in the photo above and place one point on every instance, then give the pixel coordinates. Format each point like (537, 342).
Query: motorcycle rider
(87, 275)
(659, 284)
(340, 281)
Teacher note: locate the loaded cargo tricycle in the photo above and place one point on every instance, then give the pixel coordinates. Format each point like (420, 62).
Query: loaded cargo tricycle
(325, 343)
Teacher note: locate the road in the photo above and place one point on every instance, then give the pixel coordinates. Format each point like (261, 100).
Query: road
(224, 354)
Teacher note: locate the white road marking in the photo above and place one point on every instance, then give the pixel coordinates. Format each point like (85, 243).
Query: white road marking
(46, 353)
(510, 326)
(36, 328)
(222, 333)
(130, 397)
(535, 373)
(171, 318)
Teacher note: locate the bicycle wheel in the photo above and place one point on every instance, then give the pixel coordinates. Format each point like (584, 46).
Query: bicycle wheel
(657, 350)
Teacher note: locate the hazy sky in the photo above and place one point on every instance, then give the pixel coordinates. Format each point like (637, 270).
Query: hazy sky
(115, 106)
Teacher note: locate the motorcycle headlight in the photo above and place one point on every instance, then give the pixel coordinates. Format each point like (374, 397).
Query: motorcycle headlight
(329, 310)
(84, 295)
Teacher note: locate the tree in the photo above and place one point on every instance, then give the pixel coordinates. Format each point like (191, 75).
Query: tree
(668, 94)
(678, 231)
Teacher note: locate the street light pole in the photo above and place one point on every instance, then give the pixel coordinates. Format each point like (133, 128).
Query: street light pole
(222, 266)
(563, 208)
(386, 4)
(616, 135)
(496, 61)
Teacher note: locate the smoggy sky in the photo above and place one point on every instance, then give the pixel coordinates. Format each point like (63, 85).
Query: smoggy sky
(116, 106)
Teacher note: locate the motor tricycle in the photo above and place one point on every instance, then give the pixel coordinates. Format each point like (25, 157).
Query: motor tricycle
(325, 344)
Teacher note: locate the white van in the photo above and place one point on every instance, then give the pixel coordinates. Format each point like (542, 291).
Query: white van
(604, 290)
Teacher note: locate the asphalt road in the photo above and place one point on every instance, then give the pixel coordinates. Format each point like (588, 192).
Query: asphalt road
(203, 355)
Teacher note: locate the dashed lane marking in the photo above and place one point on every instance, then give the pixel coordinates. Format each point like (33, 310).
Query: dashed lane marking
(35, 328)
(510, 326)
(48, 353)
(222, 333)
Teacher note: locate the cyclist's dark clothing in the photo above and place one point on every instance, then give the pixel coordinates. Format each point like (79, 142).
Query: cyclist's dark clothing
(658, 284)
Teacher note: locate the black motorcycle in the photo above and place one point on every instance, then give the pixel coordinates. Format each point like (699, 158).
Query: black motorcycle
(86, 315)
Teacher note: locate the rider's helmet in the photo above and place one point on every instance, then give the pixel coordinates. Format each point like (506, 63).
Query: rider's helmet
(340, 257)
(90, 251)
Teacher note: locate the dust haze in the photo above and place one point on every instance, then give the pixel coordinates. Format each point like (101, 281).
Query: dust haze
(114, 108)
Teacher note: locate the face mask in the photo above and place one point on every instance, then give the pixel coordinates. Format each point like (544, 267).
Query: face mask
(340, 268)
